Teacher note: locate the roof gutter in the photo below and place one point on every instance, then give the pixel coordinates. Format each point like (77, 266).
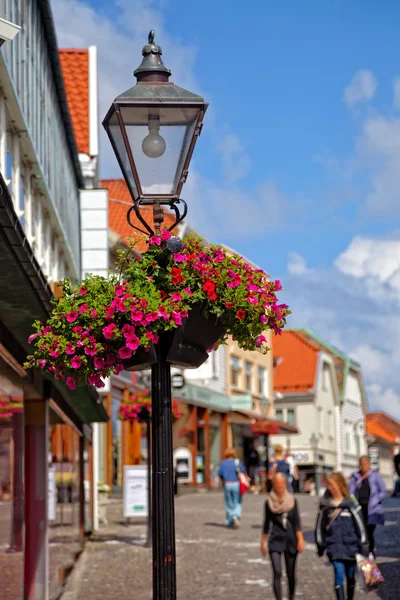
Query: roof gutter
(52, 45)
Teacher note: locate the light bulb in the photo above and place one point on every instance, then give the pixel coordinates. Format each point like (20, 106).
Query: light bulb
(153, 144)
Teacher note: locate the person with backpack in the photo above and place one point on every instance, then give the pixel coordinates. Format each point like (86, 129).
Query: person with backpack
(340, 533)
(278, 464)
(282, 530)
(229, 470)
(369, 489)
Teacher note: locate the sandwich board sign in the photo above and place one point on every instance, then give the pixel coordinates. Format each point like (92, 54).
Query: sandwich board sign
(135, 491)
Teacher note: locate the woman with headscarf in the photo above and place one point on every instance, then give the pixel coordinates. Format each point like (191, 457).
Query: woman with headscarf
(282, 530)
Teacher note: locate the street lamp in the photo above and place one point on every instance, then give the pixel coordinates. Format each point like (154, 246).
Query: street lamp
(153, 128)
(314, 440)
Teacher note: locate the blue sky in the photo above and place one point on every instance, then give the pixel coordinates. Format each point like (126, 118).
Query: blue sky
(298, 166)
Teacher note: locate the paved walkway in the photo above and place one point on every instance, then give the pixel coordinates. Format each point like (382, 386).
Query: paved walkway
(214, 562)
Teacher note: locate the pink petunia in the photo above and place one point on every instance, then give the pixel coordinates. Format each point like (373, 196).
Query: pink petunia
(252, 299)
(176, 317)
(93, 313)
(188, 291)
(99, 363)
(176, 297)
(180, 258)
(155, 239)
(83, 308)
(165, 235)
(128, 330)
(69, 348)
(91, 350)
(71, 383)
(119, 290)
(263, 319)
(132, 342)
(260, 339)
(32, 337)
(110, 359)
(108, 331)
(151, 317)
(152, 336)
(82, 290)
(41, 363)
(72, 316)
(136, 315)
(125, 352)
(47, 330)
(77, 329)
(54, 353)
(76, 362)
(252, 288)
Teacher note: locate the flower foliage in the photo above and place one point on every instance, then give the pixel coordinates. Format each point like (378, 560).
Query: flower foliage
(95, 328)
(135, 407)
(9, 406)
(264, 428)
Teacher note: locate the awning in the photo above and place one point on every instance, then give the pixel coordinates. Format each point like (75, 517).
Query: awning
(249, 416)
(26, 296)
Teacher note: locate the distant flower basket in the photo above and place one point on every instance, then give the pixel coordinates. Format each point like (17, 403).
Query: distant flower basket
(138, 408)
(200, 296)
(264, 428)
(8, 407)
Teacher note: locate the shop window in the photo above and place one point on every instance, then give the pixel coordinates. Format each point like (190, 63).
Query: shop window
(279, 414)
(235, 371)
(291, 416)
(262, 381)
(248, 376)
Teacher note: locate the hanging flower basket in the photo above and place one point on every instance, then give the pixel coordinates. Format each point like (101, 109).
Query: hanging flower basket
(178, 305)
(8, 407)
(138, 408)
(264, 428)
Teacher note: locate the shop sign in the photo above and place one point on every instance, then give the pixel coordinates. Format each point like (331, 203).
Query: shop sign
(135, 491)
(301, 457)
(242, 402)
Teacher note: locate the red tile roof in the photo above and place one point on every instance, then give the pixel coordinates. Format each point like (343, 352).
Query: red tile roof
(75, 68)
(296, 359)
(380, 425)
(119, 201)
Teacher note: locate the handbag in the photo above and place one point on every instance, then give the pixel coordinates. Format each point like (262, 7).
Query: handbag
(369, 570)
(244, 481)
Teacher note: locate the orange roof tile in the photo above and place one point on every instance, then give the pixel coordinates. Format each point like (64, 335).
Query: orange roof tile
(75, 69)
(297, 368)
(119, 202)
(380, 425)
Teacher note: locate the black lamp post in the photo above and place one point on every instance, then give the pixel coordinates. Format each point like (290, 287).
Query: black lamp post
(153, 128)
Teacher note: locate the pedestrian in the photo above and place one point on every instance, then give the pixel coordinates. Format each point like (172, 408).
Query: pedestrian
(252, 464)
(228, 472)
(278, 465)
(340, 533)
(282, 529)
(369, 489)
(290, 461)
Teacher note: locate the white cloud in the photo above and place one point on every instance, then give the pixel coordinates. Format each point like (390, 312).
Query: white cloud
(236, 163)
(296, 264)
(396, 89)
(361, 88)
(386, 400)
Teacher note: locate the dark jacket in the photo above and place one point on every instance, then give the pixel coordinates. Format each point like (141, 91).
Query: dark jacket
(377, 494)
(342, 537)
(283, 529)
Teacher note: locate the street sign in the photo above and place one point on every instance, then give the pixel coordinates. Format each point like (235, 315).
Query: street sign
(178, 381)
(374, 457)
(135, 502)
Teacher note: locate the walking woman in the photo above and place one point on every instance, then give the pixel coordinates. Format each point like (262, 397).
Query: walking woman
(282, 529)
(340, 533)
(228, 472)
(369, 489)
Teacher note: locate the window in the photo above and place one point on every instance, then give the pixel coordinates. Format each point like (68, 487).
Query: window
(235, 371)
(248, 370)
(291, 416)
(279, 414)
(262, 380)
(325, 377)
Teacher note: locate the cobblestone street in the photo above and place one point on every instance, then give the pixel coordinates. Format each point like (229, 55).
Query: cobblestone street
(214, 562)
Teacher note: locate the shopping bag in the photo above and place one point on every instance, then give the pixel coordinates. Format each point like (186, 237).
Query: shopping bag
(244, 480)
(369, 571)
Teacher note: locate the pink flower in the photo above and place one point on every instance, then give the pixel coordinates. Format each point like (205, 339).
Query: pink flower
(263, 319)
(69, 348)
(71, 383)
(252, 299)
(234, 283)
(83, 308)
(155, 239)
(234, 262)
(119, 290)
(110, 310)
(110, 359)
(90, 350)
(162, 312)
(94, 379)
(252, 288)
(93, 313)
(180, 258)
(47, 330)
(176, 317)
(32, 337)
(176, 297)
(41, 363)
(72, 316)
(260, 340)
(128, 330)
(99, 363)
(277, 285)
(165, 235)
(77, 329)
(152, 336)
(82, 290)
(132, 343)
(54, 353)
(136, 315)
(108, 331)
(118, 368)
(76, 362)
(125, 353)
(188, 291)
(151, 316)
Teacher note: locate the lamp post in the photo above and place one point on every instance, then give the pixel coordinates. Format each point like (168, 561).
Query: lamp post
(153, 128)
(314, 439)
